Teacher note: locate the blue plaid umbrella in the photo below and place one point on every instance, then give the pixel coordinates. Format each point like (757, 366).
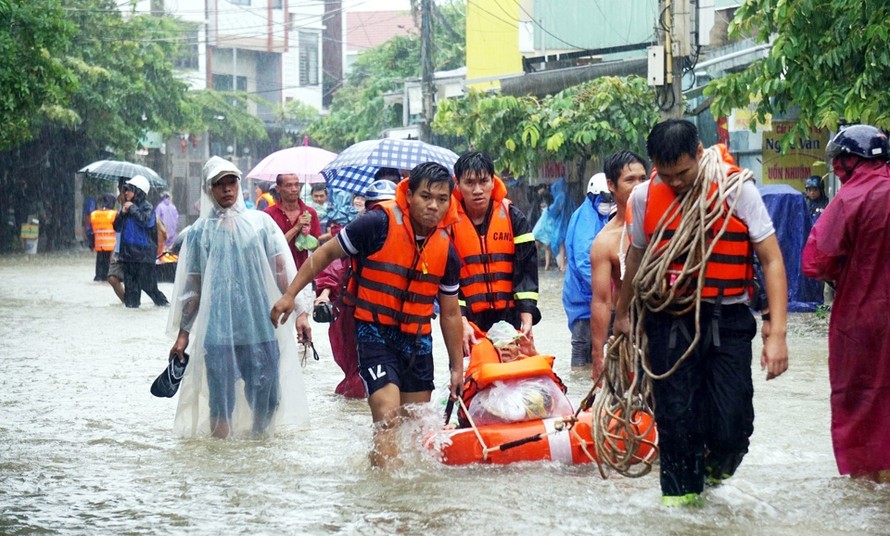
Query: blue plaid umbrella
(353, 170)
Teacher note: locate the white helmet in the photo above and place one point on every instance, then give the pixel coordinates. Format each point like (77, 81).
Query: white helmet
(598, 184)
(381, 190)
(140, 182)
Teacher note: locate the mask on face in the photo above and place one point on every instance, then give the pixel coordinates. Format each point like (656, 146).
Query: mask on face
(604, 208)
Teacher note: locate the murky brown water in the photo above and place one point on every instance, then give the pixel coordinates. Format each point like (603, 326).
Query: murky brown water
(84, 447)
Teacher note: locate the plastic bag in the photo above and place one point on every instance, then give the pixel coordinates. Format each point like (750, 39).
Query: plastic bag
(519, 400)
(305, 241)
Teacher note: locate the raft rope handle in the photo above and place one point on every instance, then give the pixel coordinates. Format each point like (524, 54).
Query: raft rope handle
(559, 425)
(463, 406)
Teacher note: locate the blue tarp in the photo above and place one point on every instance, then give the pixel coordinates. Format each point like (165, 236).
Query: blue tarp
(788, 209)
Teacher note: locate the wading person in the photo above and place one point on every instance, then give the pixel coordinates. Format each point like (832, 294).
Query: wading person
(137, 225)
(104, 238)
(850, 245)
(499, 276)
(294, 217)
(623, 170)
(328, 285)
(704, 401)
(586, 222)
(234, 263)
(402, 260)
(816, 198)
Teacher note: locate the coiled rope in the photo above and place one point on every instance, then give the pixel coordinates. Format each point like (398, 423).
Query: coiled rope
(625, 392)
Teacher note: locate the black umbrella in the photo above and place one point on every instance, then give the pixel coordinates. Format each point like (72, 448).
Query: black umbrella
(112, 170)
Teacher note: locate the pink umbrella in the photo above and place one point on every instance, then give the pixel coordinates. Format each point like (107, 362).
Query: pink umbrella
(305, 162)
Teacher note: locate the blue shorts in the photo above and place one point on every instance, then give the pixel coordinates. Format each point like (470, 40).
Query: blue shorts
(256, 364)
(379, 364)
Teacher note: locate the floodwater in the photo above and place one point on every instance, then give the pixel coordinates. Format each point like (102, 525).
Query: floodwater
(85, 449)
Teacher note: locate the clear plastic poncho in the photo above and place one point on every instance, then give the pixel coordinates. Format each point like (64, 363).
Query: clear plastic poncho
(233, 266)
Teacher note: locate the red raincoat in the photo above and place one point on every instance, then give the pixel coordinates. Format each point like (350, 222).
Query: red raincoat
(850, 245)
(341, 332)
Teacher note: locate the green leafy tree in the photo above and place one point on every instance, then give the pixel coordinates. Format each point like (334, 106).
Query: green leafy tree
(224, 115)
(357, 111)
(124, 72)
(829, 61)
(114, 81)
(33, 74)
(294, 119)
(592, 119)
(494, 124)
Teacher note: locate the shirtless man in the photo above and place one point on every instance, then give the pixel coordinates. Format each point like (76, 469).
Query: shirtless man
(623, 170)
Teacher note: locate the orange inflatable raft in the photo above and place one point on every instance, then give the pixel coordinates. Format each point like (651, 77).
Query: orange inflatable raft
(558, 437)
(543, 439)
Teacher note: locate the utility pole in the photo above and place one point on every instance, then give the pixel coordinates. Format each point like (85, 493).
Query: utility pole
(666, 60)
(426, 62)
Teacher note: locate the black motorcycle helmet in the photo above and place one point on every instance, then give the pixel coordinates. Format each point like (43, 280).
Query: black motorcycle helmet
(864, 141)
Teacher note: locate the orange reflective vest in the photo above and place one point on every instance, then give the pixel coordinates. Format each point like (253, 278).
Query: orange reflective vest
(270, 201)
(102, 222)
(396, 286)
(486, 277)
(730, 269)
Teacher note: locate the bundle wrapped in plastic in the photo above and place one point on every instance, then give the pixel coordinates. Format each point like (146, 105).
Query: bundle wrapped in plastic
(519, 400)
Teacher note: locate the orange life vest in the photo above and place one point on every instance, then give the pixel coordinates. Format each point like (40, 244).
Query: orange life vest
(102, 222)
(270, 201)
(396, 286)
(730, 269)
(486, 277)
(485, 368)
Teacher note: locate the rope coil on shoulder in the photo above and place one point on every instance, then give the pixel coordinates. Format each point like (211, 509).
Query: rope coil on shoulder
(696, 212)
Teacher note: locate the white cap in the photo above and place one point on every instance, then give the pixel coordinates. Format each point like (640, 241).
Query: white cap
(598, 184)
(217, 168)
(140, 182)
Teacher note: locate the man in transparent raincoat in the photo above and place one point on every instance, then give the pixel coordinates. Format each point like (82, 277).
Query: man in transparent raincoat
(243, 375)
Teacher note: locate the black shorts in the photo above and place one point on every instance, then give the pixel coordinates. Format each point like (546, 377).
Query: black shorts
(379, 364)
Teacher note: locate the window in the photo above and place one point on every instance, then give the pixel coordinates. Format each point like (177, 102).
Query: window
(240, 2)
(308, 59)
(187, 57)
(223, 82)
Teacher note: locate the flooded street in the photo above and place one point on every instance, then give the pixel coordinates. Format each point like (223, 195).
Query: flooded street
(85, 448)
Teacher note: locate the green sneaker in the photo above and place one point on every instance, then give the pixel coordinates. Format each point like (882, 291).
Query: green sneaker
(690, 499)
(714, 479)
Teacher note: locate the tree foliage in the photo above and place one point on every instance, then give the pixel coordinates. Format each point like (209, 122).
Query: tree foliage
(34, 78)
(592, 119)
(294, 119)
(124, 72)
(829, 60)
(224, 114)
(90, 91)
(357, 111)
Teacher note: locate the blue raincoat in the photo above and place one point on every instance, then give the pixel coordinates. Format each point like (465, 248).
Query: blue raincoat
(583, 227)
